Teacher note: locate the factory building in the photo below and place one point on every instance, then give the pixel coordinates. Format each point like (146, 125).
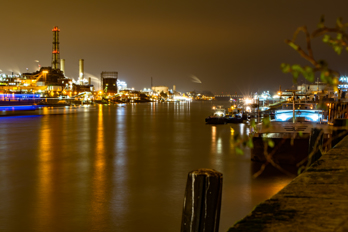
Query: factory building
(109, 81)
(159, 89)
(48, 79)
(121, 85)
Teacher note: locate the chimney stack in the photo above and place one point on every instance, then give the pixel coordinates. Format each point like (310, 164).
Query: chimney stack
(81, 70)
(62, 66)
(55, 49)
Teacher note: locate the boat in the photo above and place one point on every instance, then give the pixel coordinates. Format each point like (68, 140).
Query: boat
(18, 110)
(218, 116)
(235, 119)
(235, 115)
(290, 132)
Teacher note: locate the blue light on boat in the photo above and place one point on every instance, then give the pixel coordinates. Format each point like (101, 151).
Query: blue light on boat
(15, 108)
(286, 115)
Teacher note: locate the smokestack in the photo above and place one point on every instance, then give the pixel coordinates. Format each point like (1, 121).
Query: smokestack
(81, 69)
(62, 66)
(55, 49)
(89, 81)
(174, 88)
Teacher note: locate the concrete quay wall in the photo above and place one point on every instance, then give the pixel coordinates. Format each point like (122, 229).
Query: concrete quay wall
(316, 200)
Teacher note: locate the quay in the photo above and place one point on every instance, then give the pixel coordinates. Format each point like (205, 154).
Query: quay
(316, 200)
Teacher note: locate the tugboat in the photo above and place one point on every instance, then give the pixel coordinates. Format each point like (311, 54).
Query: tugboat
(218, 117)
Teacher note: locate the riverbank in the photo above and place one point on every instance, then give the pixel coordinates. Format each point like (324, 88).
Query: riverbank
(314, 201)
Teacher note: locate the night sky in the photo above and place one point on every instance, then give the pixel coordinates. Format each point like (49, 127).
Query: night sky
(231, 46)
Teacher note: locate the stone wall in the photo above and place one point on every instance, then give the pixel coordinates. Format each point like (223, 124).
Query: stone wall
(316, 200)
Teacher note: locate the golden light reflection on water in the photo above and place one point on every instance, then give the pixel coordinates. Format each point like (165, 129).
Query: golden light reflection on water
(232, 139)
(99, 175)
(213, 138)
(45, 173)
(216, 149)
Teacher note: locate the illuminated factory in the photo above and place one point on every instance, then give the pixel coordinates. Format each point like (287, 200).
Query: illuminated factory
(48, 80)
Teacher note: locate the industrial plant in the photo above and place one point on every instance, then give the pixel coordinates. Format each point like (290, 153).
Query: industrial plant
(48, 81)
(50, 84)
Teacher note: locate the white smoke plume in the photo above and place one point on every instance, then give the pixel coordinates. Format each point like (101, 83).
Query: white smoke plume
(195, 79)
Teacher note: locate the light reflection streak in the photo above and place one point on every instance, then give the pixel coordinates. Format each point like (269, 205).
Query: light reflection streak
(213, 139)
(99, 176)
(120, 174)
(241, 125)
(45, 174)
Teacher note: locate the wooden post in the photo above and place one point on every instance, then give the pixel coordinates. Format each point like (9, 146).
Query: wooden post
(202, 201)
(315, 141)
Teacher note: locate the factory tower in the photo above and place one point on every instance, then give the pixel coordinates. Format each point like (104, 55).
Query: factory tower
(55, 49)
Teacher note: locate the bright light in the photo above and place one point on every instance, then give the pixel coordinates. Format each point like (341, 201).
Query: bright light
(219, 113)
(314, 117)
(248, 101)
(283, 117)
(182, 98)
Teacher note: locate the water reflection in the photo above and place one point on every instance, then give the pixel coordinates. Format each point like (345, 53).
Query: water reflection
(213, 139)
(45, 175)
(99, 176)
(120, 192)
(113, 168)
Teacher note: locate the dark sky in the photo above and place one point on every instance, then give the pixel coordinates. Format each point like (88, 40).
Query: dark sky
(231, 46)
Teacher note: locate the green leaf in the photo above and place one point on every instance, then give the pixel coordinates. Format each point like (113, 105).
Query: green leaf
(239, 151)
(326, 38)
(293, 45)
(310, 74)
(252, 123)
(270, 143)
(297, 67)
(285, 68)
(250, 143)
(266, 121)
(322, 76)
(338, 49)
(339, 36)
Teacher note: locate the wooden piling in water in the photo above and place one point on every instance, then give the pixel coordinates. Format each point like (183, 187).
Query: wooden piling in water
(202, 201)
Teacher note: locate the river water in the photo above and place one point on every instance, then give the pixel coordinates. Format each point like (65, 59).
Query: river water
(120, 168)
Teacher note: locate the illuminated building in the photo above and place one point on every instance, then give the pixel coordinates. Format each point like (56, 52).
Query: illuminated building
(159, 89)
(121, 85)
(109, 81)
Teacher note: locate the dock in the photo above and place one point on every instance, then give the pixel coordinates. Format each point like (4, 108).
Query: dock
(316, 200)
